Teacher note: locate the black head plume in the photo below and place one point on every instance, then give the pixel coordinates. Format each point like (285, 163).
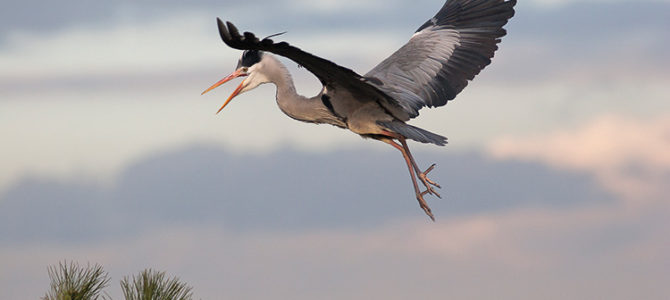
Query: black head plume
(250, 58)
(274, 35)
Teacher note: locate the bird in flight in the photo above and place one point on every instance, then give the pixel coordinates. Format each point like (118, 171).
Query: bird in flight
(434, 66)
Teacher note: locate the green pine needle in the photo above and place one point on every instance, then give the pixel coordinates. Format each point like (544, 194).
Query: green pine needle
(72, 282)
(152, 285)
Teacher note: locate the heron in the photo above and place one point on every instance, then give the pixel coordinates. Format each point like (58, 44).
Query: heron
(434, 66)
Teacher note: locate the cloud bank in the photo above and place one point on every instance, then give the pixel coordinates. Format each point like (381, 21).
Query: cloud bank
(300, 225)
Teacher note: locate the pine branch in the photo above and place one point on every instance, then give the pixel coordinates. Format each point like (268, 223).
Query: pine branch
(72, 282)
(152, 285)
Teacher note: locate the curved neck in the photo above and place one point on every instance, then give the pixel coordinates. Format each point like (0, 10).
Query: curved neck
(290, 102)
(277, 73)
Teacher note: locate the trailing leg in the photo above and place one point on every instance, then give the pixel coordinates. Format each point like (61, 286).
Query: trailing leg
(422, 175)
(412, 169)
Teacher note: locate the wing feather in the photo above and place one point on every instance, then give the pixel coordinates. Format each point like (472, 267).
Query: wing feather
(443, 55)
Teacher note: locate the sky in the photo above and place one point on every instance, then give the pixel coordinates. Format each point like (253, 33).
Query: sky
(555, 179)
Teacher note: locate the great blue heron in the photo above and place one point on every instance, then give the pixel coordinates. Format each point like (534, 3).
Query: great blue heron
(432, 68)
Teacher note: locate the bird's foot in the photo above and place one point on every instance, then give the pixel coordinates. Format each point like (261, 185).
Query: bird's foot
(424, 205)
(429, 184)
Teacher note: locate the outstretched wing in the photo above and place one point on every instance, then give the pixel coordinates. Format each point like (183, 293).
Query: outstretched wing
(329, 73)
(444, 54)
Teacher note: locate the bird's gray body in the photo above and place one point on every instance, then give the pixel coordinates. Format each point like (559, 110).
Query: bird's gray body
(338, 107)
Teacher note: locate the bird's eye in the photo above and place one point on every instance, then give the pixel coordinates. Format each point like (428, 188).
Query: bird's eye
(245, 69)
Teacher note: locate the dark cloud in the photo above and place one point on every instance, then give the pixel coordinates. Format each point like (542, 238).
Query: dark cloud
(281, 191)
(48, 15)
(543, 44)
(590, 21)
(596, 19)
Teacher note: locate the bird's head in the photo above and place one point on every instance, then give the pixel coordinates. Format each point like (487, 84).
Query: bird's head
(249, 66)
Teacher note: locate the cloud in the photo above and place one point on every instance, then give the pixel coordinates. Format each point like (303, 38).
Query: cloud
(628, 156)
(491, 255)
(558, 3)
(70, 13)
(332, 6)
(284, 190)
(170, 44)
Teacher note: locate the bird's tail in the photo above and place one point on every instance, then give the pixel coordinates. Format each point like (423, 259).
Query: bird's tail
(414, 133)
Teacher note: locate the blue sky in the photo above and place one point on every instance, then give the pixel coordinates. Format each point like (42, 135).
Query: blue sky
(555, 178)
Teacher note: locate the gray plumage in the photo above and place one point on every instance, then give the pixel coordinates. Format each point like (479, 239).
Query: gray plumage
(417, 134)
(443, 55)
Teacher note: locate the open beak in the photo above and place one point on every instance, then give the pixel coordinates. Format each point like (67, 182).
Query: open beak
(230, 77)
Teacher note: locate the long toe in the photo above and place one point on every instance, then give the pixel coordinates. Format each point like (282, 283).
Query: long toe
(427, 181)
(425, 207)
(431, 191)
(433, 183)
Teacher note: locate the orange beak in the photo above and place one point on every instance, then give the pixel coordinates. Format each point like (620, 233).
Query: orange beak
(230, 77)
